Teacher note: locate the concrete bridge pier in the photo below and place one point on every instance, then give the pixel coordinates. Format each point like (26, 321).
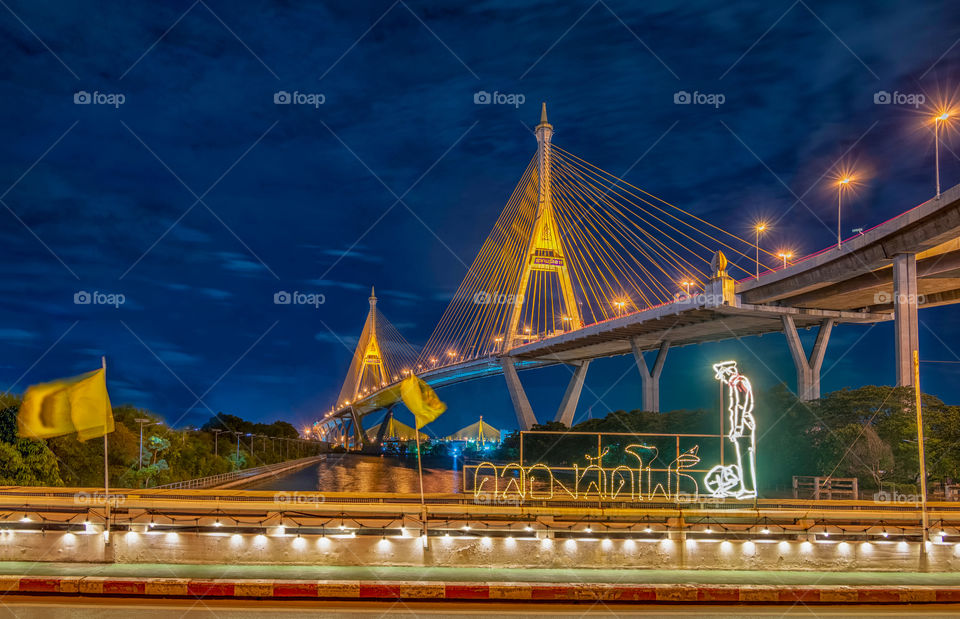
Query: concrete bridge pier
(521, 405)
(650, 378)
(906, 323)
(568, 406)
(382, 430)
(808, 368)
(358, 434)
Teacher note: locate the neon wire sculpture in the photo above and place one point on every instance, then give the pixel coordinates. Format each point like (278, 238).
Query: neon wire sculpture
(736, 480)
(642, 480)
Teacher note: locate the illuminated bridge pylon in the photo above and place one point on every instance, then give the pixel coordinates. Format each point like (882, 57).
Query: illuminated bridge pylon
(545, 256)
(382, 357)
(575, 246)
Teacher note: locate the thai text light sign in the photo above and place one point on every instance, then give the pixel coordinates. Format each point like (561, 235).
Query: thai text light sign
(547, 261)
(635, 466)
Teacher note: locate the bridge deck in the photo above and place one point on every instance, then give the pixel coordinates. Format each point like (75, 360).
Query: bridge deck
(685, 321)
(681, 325)
(858, 275)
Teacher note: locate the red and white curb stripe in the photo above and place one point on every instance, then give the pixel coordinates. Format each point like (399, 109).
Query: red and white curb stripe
(392, 590)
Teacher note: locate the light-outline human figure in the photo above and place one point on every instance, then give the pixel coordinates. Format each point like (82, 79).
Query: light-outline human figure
(743, 425)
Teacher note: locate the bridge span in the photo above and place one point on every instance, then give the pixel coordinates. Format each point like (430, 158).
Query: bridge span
(582, 313)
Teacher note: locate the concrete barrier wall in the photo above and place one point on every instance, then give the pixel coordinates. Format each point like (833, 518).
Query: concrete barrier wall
(151, 546)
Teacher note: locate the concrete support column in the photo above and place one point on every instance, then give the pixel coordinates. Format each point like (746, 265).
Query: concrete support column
(906, 325)
(650, 379)
(521, 405)
(381, 432)
(808, 368)
(568, 406)
(357, 428)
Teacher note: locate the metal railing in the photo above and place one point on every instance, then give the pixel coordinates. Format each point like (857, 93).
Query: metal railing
(223, 478)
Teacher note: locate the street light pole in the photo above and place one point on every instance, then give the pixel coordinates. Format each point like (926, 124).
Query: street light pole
(936, 144)
(936, 150)
(140, 460)
(216, 446)
(839, 205)
(840, 185)
(760, 227)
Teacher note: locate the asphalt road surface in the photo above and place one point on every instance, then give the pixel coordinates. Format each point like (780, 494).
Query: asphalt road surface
(27, 607)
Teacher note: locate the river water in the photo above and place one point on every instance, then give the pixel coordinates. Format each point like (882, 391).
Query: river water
(359, 473)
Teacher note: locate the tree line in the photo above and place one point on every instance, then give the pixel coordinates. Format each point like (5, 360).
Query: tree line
(168, 454)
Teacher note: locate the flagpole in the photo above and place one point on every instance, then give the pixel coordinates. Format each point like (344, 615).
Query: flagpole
(423, 502)
(106, 473)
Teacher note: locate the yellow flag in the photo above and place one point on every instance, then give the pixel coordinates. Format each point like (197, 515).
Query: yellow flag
(79, 404)
(421, 400)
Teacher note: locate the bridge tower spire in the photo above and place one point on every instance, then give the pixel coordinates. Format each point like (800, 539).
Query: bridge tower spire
(545, 246)
(371, 367)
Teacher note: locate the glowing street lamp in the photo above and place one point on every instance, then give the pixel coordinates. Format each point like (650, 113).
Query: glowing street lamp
(941, 118)
(619, 305)
(760, 227)
(786, 256)
(841, 184)
(686, 284)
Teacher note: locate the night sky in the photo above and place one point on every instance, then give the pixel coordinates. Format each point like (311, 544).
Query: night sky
(198, 198)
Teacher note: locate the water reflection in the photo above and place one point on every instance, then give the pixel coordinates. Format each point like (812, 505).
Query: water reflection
(358, 473)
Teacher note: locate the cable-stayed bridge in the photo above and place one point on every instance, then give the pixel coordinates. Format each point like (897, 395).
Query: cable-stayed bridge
(582, 265)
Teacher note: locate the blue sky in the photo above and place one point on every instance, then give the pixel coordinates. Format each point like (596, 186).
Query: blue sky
(197, 198)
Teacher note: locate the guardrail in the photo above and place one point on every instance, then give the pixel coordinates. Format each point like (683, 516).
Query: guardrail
(816, 488)
(223, 478)
(349, 514)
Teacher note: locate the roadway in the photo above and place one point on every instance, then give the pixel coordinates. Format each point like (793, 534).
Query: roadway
(21, 607)
(388, 574)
